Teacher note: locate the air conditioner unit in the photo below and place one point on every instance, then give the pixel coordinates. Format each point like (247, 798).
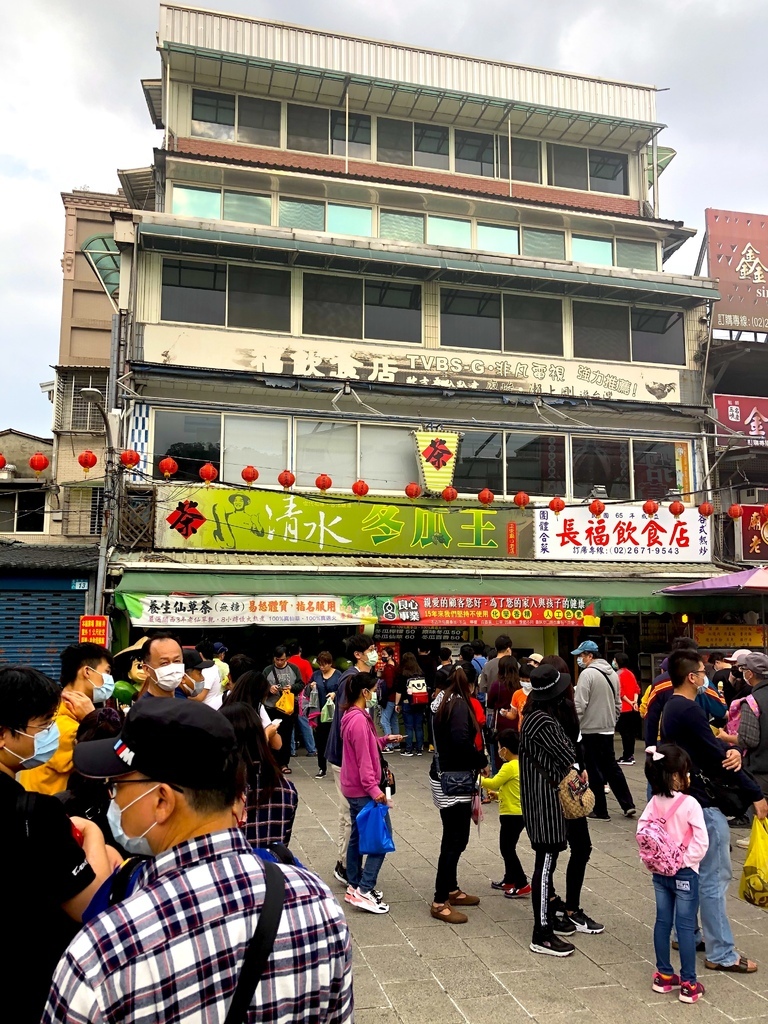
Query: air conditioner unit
(753, 495)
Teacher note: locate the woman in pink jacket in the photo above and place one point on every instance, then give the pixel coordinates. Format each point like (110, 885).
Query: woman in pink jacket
(360, 777)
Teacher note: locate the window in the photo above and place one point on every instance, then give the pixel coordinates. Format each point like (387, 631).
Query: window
(23, 512)
(598, 461)
(303, 214)
(259, 298)
(358, 145)
(600, 331)
(533, 325)
(535, 464)
(658, 336)
(192, 439)
(258, 121)
(450, 232)
(333, 306)
(394, 141)
(393, 311)
(598, 251)
(495, 238)
(387, 457)
(480, 462)
(213, 115)
(196, 202)
(608, 172)
(526, 159)
(260, 441)
(548, 245)
(402, 227)
(655, 468)
(568, 167)
(474, 153)
(636, 255)
(73, 412)
(247, 208)
(307, 129)
(430, 146)
(349, 220)
(83, 511)
(323, 446)
(194, 293)
(470, 319)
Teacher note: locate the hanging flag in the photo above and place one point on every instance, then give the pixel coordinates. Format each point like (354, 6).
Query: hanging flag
(437, 452)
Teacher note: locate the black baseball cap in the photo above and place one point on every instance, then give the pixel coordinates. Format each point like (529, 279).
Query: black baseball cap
(193, 659)
(175, 741)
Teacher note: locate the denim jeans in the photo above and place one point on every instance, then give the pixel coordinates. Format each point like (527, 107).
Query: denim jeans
(677, 899)
(307, 735)
(387, 715)
(413, 715)
(357, 874)
(714, 878)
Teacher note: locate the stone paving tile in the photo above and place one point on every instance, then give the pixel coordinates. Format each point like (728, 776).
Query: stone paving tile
(465, 978)
(419, 1002)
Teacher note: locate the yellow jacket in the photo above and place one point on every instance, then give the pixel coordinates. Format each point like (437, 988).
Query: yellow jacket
(52, 777)
(507, 783)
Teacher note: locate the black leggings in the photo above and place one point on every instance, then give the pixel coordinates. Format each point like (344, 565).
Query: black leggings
(456, 824)
(580, 845)
(285, 731)
(322, 732)
(510, 828)
(628, 727)
(542, 891)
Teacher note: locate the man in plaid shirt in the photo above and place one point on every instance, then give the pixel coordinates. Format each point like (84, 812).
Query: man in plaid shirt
(174, 948)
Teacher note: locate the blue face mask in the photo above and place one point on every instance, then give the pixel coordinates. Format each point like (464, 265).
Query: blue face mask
(105, 691)
(580, 661)
(138, 845)
(46, 745)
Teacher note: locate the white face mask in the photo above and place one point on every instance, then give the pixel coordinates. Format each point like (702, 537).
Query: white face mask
(372, 658)
(168, 677)
(526, 685)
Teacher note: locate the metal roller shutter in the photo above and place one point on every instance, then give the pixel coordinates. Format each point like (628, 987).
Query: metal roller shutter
(37, 624)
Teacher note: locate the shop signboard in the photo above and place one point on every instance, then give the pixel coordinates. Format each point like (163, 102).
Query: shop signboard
(624, 533)
(198, 518)
(737, 247)
(181, 610)
(488, 611)
(744, 415)
(437, 452)
(94, 629)
(751, 533)
(726, 637)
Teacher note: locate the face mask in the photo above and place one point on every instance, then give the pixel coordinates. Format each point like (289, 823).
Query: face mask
(46, 745)
(197, 685)
(372, 658)
(580, 661)
(138, 845)
(372, 701)
(615, 666)
(702, 688)
(105, 691)
(526, 685)
(168, 677)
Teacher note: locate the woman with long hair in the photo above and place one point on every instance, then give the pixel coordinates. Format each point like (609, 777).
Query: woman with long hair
(499, 700)
(270, 799)
(412, 698)
(455, 729)
(251, 688)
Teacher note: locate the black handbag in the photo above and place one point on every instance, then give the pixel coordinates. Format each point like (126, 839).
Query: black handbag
(460, 783)
(727, 794)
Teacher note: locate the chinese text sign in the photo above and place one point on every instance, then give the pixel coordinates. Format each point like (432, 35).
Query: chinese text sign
(738, 257)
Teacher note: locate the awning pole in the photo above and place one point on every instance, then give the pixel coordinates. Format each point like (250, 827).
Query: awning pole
(509, 152)
(346, 131)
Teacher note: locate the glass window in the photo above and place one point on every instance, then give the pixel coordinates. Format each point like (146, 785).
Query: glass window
(608, 172)
(568, 167)
(303, 214)
(548, 245)
(658, 336)
(402, 227)
(636, 255)
(600, 331)
(526, 159)
(307, 129)
(30, 512)
(194, 293)
(394, 141)
(197, 202)
(430, 146)
(8, 513)
(333, 306)
(598, 251)
(213, 115)
(387, 457)
(259, 298)
(495, 238)
(535, 464)
(449, 231)
(533, 325)
(474, 153)
(192, 439)
(323, 446)
(470, 319)
(247, 208)
(258, 121)
(598, 461)
(260, 441)
(655, 468)
(480, 462)
(393, 311)
(350, 220)
(359, 135)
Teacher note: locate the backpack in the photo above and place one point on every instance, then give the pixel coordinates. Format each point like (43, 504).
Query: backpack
(658, 851)
(734, 713)
(417, 690)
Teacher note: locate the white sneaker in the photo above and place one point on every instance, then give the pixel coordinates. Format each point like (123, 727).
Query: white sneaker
(743, 844)
(367, 901)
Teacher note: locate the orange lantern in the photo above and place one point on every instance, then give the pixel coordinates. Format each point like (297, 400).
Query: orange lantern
(677, 508)
(735, 511)
(413, 491)
(706, 509)
(596, 508)
(250, 474)
(130, 458)
(168, 467)
(286, 479)
(38, 463)
(449, 493)
(323, 483)
(87, 460)
(521, 499)
(557, 505)
(486, 496)
(650, 508)
(208, 473)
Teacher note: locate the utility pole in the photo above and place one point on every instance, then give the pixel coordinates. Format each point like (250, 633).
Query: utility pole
(94, 396)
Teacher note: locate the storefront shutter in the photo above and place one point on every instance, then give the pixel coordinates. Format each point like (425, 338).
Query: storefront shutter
(37, 624)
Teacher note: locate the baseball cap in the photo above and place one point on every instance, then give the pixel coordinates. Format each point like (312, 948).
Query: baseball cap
(220, 648)
(547, 682)
(193, 659)
(757, 663)
(175, 741)
(535, 658)
(587, 647)
(739, 655)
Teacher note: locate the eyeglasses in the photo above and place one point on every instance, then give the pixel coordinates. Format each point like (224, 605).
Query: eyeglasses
(112, 785)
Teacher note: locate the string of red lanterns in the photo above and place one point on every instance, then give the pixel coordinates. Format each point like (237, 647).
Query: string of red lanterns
(286, 479)
(250, 474)
(130, 459)
(360, 488)
(412, 491)
(486, 496)
(168, 467)
(449, 494)
(208, 473)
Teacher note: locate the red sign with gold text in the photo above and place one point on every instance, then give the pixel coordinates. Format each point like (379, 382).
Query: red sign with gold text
(752, 536)
(94, 629)
(489, 611)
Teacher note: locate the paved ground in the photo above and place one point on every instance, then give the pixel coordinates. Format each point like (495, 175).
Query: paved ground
(412, 969)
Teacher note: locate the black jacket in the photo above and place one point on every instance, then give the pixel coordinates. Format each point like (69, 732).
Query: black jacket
(454, 734)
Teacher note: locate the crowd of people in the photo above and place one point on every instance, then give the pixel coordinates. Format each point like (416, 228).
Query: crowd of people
(149, 813)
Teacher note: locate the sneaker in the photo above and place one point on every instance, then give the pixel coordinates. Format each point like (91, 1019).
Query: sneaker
(585, 924)
(340, 873)
(606, 788)
(551, 945)
(630, 812)
(419, 753)
(691, 991)
(599, 817)
(378, 894)
(626, 760)
(742, 822)
(367, 901)
(506, 886)
(406, 753)
(563, 925)
(665, 982)
(743, 844)
(517, 894)
(320, 775)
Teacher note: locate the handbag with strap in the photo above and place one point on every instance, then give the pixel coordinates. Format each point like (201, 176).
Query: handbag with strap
(260, 947)
(461, 783)
(576, 798)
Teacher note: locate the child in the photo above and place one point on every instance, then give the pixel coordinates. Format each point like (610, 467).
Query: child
(507, 784)
(671, 832)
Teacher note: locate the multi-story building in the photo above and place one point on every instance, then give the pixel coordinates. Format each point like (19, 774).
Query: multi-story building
(342, 241)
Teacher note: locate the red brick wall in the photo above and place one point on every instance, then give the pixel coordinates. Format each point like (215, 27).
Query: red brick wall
(313, 163)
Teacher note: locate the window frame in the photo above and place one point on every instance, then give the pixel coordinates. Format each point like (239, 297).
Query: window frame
(363, 280)
(15, 492)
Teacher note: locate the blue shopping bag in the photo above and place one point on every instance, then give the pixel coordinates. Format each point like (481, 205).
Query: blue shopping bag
(374, 829)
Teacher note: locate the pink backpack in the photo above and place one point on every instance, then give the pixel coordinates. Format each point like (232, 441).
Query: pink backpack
(734, 713)
(658, 851)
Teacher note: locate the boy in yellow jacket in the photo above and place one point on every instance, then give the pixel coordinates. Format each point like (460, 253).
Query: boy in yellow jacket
(506, 783)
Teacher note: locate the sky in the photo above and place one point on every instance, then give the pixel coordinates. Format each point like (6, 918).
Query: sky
(73, 112)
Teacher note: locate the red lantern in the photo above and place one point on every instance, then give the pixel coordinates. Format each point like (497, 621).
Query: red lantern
(208, 473)
(286, 479)
(521, 499)
(87, 460)
(2, 462)
(168, 467)
(360, 488)
(677, 508)
(413, 491)
(557, 505)
(486, 496)
(323, 483)
(130, 459)
(764, 513)
(250, 474)
(596, 508)
(38, 463)
(706, 508)
(735, 511)
(650, 508)
(450, 493)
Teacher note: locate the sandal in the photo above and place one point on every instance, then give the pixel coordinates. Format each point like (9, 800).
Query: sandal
(445, 912)
(742, 966)
(461, 899)
(286, 770)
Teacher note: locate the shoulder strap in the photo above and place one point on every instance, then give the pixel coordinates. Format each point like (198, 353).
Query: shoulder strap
(754, 707)
(25, 805)
(260, 947)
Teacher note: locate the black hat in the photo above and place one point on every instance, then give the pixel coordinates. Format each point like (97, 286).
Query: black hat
(193, 659)
(176, 741)
(547, 682)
